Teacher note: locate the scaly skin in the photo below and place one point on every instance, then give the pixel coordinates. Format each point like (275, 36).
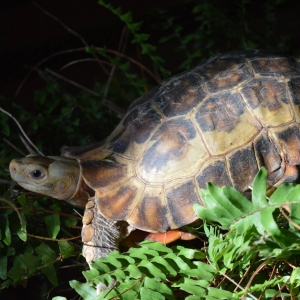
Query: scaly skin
(53, 176)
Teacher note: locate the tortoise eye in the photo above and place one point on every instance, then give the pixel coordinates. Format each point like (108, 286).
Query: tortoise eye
(36, 174)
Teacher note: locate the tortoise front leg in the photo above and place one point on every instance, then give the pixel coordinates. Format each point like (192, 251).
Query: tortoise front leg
(100, 236)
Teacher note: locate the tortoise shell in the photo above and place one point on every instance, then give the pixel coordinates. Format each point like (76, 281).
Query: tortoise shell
(219, 122)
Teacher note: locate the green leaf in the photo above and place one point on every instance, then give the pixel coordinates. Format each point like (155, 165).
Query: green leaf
(65, 249)
(52, 224)
(16, 273)
(238, 200)
(50, 273)
(267, 220)
(23, 201)
(191, 286)
(163, 262)
(30, 261)
(219, 294)
(20, 231)
(48, 256)
(225, 208)
(155, 246)
(90, 274)
(149, 267)
(133, 271)
(159, 287)
(5, 231)
(85, 291)
(3, 267)
(295, 277)
(148, 294)
(259, 189)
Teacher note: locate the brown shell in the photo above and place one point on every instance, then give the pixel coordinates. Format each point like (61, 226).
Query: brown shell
(219, 122)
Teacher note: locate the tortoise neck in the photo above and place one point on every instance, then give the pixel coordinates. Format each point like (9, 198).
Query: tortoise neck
(82, 194)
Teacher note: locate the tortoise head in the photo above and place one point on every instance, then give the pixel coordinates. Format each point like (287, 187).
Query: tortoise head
(53, 176)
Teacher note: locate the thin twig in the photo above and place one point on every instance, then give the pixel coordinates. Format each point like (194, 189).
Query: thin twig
(289, 219)
(231, 280)
(72, 82)
(27, 146)
(112, 106)
(71, 31)
(245, 274)
(112, 71)
(14, 147)
(79, 61)
(23, 132)
(151, 74)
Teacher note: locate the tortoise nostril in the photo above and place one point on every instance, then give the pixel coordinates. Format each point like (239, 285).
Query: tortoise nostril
(13, 169)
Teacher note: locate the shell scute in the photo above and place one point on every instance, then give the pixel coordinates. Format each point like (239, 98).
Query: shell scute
(288, 138)
(275, 66)
(172, 152)
(242, 161)
(119, 202)
(268, 98)
(221, 112)
(151, 213)
(181, 196)
(180, 95)
(267, 155)
(224, 73)
(214, 171)
(134, 130)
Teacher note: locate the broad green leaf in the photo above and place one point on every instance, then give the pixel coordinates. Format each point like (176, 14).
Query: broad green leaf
(90, 274)
(162, 261)
(152, 269)
(59, 298)
(285, 193)
(122, 257)
(295, 277)
(207, 215)
(119, 275)
(5, 231)
(229, 210)
(85, 291)
(50, 273)
(16, 273)
(192, 288)
(155, 246)
(3, 267)
(219, 294)
(101, 266)
(48, 256)
(191, 253)
(69, 222)
(52, 224)
(20, 231)
(148, 294)
(134, 271)
(238, 200)
(259, 189)
(65, 249)
(181, 264)
(30, 261)
(268, 222)
(159, 287)
(23, 201)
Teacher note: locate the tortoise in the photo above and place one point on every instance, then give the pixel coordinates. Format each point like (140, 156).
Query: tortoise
(218, 122)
